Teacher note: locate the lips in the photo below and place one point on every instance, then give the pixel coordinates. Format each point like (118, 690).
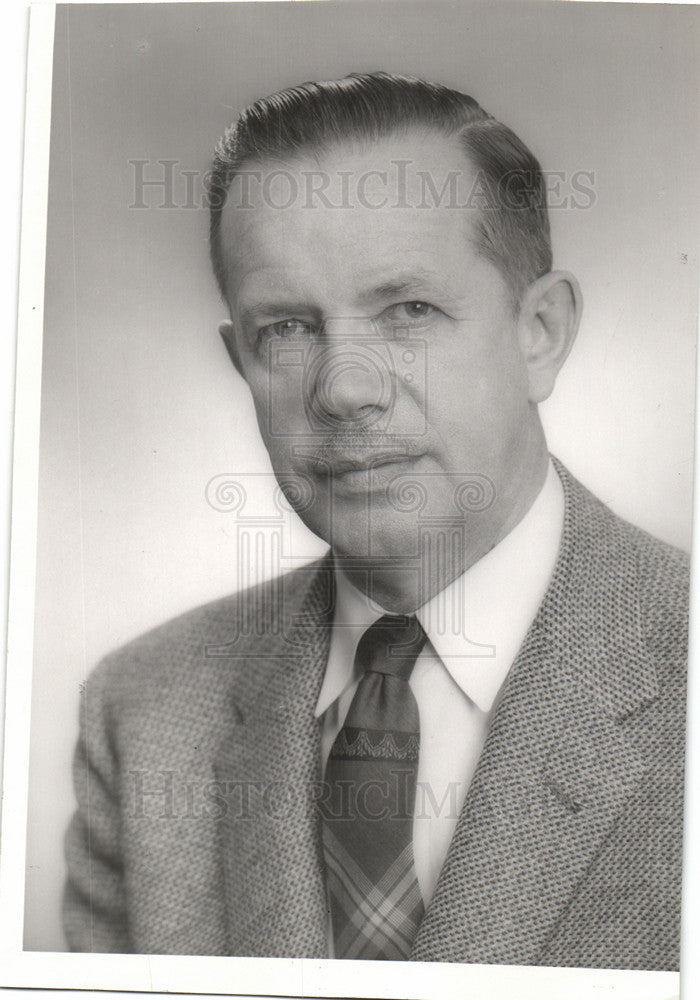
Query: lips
(363, 462)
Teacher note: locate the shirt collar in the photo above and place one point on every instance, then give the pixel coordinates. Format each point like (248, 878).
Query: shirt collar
(477, 624)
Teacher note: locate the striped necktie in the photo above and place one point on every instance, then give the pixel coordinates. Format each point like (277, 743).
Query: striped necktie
(370, 783)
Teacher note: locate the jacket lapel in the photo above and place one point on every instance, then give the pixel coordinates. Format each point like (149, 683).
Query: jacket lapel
(565, 751)
(266, 767)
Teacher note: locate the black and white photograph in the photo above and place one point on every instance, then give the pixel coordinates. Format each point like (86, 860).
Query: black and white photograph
(353, 490)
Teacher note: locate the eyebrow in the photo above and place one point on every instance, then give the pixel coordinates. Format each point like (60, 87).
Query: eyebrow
(406, 283)
(390, 288)
(281, 307)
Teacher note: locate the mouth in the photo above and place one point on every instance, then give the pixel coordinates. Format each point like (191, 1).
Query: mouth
(367, 462)
(363, 473)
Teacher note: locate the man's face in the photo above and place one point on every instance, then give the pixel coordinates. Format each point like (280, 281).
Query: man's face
(380, 347)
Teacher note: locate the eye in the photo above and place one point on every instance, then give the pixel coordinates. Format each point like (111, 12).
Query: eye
(288, 329)
(411, 313)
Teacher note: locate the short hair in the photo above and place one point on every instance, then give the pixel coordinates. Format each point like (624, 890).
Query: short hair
(513, 224)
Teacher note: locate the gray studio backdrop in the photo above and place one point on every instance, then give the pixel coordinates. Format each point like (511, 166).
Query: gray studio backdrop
(141, 409)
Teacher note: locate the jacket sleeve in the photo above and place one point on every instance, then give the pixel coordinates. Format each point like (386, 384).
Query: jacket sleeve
(94, 908)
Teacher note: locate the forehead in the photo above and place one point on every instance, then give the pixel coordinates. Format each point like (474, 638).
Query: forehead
(406, 201)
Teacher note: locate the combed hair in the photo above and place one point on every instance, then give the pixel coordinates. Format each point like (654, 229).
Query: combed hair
(513, 225)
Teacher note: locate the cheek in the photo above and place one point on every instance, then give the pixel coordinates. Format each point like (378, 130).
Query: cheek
(479, 388)
(278, 391)
(281, 421)
(271, 406)
(260, 391)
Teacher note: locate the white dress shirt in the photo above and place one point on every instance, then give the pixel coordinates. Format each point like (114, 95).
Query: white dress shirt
(475, 628)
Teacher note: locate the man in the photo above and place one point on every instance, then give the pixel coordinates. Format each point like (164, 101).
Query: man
(460, 736)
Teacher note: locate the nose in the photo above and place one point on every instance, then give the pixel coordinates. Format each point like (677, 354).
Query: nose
(351, 376)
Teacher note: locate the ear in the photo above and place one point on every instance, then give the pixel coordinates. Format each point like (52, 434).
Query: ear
(228, 335)
(548, 321)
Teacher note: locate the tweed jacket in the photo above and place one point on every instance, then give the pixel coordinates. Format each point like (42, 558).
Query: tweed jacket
(197, 833)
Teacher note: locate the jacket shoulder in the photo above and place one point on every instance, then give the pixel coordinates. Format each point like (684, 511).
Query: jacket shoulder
(639, 576)
(663, 581)
(211, 640)
(661, 570)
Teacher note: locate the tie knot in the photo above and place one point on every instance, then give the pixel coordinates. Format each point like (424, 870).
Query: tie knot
(391, 645)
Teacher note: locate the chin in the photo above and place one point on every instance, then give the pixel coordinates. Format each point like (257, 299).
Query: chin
(379, 539)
